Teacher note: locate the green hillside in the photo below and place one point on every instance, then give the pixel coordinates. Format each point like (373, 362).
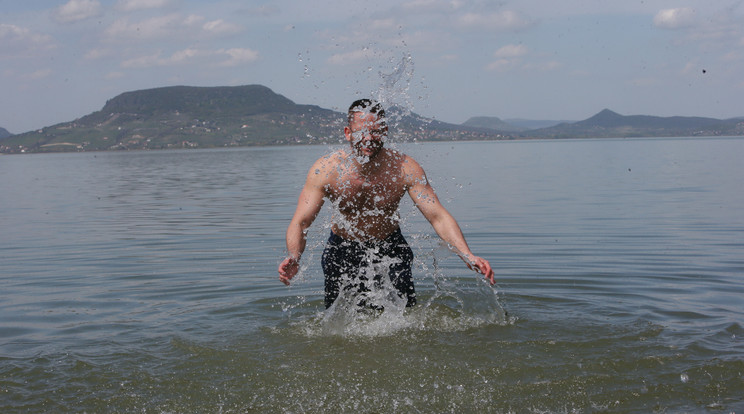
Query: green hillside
(186, 117)
(492, 122)
(205, 117)
(611, 124)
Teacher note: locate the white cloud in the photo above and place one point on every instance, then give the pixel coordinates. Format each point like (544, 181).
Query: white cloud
(504, 20)
(383, 24)
(114, 75)
(510, 51)
(691, 67)
(642, 82)
(170, 26)
(543, 66)
(183, 55)
(507, 57)
(132, 5)
(16, 37)
(160, 27)
(221, 27)
(38, 74)
(675, 18)
(238, 56)
(500, 64)
(423, 6)
(222, 57)
(77, 10)
(353, 57)
(143, 61)
(95, 54)
(733, 56)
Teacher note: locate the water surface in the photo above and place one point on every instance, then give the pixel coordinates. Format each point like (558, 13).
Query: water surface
(146, 281)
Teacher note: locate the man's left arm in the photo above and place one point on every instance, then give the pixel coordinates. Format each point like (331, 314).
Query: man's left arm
(426, 200)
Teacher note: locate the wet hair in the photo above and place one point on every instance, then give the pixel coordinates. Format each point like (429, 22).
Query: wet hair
(361, 105)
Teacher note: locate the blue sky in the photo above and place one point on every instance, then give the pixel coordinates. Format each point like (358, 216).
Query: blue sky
(445, 59)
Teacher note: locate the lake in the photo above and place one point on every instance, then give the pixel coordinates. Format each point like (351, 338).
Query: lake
(146, 282)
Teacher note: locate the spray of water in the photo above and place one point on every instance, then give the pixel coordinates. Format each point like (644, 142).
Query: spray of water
(379, 310)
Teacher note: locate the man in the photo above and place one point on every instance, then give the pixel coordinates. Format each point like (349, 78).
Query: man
(366, 184)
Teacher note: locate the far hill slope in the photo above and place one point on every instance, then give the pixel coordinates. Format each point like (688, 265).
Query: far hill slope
(491, 122)
(203, 117)
(611, 124)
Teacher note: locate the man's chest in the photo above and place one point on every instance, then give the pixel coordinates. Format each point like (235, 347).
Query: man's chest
(369, 194)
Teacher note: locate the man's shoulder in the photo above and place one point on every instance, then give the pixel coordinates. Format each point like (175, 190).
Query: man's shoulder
(332, 158)
(406, 161)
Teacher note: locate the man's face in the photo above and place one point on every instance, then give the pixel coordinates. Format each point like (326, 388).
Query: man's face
(366, 133)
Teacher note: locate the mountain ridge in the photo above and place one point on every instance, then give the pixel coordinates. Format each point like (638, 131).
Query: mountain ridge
(222, 116)
(610, 124)
(250, 115)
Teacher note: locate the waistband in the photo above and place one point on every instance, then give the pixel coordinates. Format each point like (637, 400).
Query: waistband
(394, 237)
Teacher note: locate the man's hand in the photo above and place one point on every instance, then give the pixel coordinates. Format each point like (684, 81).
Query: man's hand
(481, 266)
(288, 268)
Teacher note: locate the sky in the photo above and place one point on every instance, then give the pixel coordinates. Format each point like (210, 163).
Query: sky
(444, 59)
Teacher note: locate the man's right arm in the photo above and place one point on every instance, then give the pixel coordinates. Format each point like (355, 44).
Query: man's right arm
(308, 207)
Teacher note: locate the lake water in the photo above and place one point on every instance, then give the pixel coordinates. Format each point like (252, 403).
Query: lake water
(146, 282)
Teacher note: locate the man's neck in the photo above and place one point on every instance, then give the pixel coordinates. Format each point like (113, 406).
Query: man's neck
(372, 166)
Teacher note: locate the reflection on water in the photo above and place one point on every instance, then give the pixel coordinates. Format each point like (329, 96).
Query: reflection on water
(147, 282)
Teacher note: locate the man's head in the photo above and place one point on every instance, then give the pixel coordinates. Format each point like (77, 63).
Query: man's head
(367, 129)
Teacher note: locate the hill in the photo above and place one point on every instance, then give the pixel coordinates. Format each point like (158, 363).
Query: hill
(492, 122)
(527, 124)
(204, 117)
(611, 124)
(4, 133)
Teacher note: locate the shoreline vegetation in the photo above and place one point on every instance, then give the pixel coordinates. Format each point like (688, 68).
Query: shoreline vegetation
(253, 115)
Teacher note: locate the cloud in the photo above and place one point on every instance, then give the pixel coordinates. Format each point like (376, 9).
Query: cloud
(221, 27)
(383, 24)
(168, 26)
(510, 51)
(643, 82)
(543, 66)
(114, 75)
(38, 74)
(222, 57)
(503, 20)
(12, 34)
(507, 57)
(424, 6)
(77, 10)
(675, 18)
(238, 56)
(144, 61)
(260, 11)
(16, 39)
(353, 57)
(95, 54)
(500, 64)
(133, 5)
(691, 67)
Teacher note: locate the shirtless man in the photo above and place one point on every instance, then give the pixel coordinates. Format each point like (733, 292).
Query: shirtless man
(366, 184)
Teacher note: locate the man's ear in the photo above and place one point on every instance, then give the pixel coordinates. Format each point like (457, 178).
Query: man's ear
(347, 133)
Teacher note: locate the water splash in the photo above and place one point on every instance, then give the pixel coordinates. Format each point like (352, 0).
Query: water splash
(453, 304)
(394, 87)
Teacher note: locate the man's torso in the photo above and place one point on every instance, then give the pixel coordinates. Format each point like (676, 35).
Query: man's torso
(366, 202)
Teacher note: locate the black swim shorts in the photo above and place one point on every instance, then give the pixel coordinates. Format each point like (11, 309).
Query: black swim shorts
(349, 264)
